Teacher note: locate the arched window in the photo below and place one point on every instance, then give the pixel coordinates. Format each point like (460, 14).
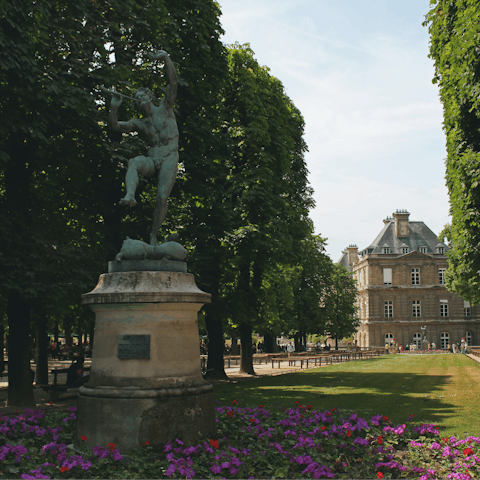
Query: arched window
(417, 340)
(444, 339)
(469, 338)
(389, 338)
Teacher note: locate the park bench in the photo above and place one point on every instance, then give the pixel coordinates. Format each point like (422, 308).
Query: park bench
(56, 388)
(303, 360)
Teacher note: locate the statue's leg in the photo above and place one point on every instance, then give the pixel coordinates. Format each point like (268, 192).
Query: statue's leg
(140, 164)
(167, 174)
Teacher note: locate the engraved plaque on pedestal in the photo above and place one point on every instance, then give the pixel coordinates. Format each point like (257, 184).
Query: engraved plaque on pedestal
(133, 346)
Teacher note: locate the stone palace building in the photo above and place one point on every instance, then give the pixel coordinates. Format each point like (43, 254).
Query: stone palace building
(401, 288)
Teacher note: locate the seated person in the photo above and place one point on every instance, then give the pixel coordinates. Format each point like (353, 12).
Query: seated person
(75, 376)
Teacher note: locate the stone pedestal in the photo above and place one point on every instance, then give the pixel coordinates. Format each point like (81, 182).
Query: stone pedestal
(145, 382)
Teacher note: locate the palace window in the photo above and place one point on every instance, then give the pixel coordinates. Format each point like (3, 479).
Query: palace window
(444, 308)
(444, 340)
(389, 338)
(388, 309)
(415, 276)
(387, 250)
(467, 309)
(417, 340)
(441, 276)
(469, 338)
(441, 250)
(387, 276)
(416, 308)
(423, 249)
(405, 250)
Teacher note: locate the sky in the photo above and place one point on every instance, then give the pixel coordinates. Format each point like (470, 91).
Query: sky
(360, 74)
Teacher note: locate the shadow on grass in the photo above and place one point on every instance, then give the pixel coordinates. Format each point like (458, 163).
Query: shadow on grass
(397, 395)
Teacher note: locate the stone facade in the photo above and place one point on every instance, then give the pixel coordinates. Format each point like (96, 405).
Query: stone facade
(400, 280)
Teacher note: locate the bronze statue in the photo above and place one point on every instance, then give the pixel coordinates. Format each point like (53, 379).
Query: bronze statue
(158, 127)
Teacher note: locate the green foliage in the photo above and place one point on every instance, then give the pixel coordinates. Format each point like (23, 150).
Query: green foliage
(340, 303)
(268, 190)
(455, 31)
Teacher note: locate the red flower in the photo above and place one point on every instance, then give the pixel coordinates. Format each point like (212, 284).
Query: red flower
(16, 411)
(230, 414)
(64, 469)
(296, 401)
(260, 406)
(309, 406)
(349, 433)
(323, 428)
(214, 443)
(111, 446)
(380, 440)
(235, 402)
(328, 414)
(50, 402)
(252, 420)
(386, 419)
(83, 438)
(468, 451)
(379, 475)
(302, 416)
(446, 440)
(147, 442)
(333, 409)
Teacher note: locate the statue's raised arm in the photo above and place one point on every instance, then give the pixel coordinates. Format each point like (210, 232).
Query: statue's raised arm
(171, 93)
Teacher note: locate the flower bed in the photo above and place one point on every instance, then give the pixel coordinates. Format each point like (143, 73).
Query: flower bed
(253, 442)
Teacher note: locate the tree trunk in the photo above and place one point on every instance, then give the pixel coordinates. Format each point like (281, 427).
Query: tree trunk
(336, 343)
(55, 332)
(67, 325)
(41, 357)
(20, 391)
(215, 363)
(296, 339)
(246, 360)
(270, 342)
(2, 346)
(234, 348)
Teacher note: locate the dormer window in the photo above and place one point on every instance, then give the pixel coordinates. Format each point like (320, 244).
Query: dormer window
(441, 250)
(386, 250)
(422, 249)
(405, 250)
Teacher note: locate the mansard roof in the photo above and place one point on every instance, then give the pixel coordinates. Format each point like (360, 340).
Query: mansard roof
(419, 236)
(344, 261)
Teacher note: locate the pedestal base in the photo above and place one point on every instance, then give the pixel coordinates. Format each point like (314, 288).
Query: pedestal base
(145, 381)
(156, 416)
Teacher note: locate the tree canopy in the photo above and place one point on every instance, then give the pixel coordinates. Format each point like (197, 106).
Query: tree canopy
(454, 28)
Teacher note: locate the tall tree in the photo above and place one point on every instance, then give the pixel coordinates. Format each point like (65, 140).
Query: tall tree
(267, 185)
(340, 303)
(454, 28)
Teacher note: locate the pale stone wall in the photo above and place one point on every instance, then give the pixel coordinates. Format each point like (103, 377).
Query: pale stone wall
(372, 295)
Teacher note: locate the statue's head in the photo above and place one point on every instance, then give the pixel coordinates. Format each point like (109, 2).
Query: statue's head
(142, 97)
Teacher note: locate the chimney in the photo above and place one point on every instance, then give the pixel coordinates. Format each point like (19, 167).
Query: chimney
(402, 227)
(352, 254)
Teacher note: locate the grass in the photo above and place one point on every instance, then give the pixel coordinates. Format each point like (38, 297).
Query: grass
(440, 389)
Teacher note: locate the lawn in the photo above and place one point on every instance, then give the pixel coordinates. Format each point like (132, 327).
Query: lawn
(440, 389)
